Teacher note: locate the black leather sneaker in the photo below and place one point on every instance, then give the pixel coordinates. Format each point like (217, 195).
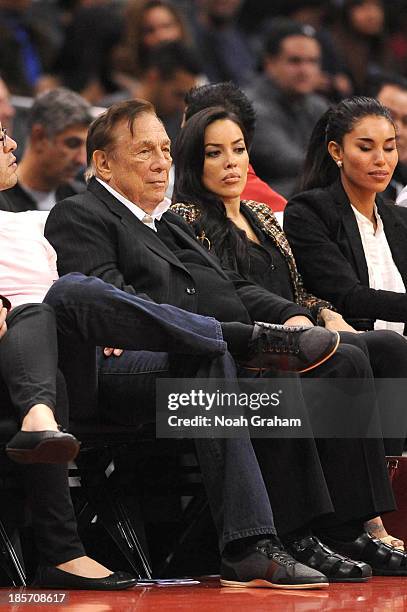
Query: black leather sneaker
(292, 349)
(267, 564)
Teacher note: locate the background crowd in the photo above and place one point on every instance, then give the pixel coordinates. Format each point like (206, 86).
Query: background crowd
(110, 50)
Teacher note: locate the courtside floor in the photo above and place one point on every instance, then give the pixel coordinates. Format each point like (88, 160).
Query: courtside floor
(378, 595)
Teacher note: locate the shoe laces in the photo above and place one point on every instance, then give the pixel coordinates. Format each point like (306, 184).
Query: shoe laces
(284, 341)
(275, 553)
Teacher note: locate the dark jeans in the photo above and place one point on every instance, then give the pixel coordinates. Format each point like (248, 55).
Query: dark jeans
(90, 312)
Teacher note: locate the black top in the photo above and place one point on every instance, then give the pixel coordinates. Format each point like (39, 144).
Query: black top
(267, 265)
(268, 268)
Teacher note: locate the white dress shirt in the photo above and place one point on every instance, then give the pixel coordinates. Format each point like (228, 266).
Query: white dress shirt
(383, 272)
(147, 218)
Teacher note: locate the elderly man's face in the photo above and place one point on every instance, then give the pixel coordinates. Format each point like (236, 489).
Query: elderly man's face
(8, 166)
(137, 166)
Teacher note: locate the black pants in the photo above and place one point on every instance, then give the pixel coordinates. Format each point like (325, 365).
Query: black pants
(28, 370)
(327, 481)
(387, 353)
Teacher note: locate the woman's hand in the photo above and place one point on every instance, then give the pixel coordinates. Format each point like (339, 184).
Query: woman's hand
(335, 322)
(299, 321)
(3, 324)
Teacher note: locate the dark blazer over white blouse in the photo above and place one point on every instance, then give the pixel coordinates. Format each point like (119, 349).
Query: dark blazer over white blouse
(324, 235)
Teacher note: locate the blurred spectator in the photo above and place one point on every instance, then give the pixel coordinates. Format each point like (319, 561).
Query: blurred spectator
(7, 111)
(171, 69)
(55, 151)
(391, 91)
(334, 82)
(84, 61)
(286, 105)
(360, 36)
(231, 97)
(27, 48)
(223, 47)
(147, 23)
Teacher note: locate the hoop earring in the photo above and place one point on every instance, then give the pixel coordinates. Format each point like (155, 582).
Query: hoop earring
(204, 240)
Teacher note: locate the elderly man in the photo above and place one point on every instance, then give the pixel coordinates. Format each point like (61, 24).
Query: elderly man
(120, 230)
(55, 151)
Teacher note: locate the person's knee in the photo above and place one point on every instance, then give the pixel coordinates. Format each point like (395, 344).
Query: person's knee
(66, 288)
(357, 340)
(352, 362)
(37, 310)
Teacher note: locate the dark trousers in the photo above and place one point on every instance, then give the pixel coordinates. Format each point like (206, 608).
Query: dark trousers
(90, 312)
(28, 371)
(29, 357)
(325, 482)
(309, 482)
(387, 353)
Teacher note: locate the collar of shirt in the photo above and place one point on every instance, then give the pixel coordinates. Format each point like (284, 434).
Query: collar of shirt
(367, 224)
(146, 218)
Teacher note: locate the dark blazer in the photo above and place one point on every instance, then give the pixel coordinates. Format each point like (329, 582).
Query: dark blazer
(20, 200)
(97, 235)
(324, 235)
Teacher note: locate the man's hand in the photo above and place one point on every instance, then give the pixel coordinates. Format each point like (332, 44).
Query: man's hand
(299, 320)
(107, 351)
(3, 324)
(334, 321)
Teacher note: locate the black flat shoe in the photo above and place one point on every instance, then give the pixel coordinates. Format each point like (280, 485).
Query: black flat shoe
(42, 447)
(54, 578)
(383, 559)
(336, 567)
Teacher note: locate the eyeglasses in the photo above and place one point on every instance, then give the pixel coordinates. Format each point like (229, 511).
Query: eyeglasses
(3, 137)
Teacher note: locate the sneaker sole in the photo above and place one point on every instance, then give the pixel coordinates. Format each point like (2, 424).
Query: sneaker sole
(338, 580)
(48, 451)
(321, 361)
(270, 585)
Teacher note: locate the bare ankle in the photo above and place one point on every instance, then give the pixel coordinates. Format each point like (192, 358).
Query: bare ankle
(39, 417)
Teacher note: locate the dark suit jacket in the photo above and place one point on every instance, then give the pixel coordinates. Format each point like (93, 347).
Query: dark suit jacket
(325, 239)
(20, 200)
(97, 235)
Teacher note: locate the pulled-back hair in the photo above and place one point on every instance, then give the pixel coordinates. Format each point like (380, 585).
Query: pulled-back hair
(227, 241)
(226, 94)
(320, 169)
